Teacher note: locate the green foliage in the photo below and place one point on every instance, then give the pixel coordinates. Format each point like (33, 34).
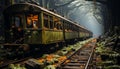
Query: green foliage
(50, 67)
(112, 67)
(16, 66)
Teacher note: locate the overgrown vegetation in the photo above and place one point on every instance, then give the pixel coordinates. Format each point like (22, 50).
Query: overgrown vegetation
(108, 48)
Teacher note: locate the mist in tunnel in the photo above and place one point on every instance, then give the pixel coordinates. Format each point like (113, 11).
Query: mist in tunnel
(86, 13)
(86, 18)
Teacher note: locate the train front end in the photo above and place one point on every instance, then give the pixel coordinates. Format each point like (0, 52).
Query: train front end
(22, 24)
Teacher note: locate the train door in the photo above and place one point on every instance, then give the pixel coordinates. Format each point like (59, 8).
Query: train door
(16, 27)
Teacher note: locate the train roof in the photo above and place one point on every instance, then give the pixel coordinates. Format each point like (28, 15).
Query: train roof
(28, 7)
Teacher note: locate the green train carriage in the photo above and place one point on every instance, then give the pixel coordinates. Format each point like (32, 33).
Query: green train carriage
(31, 24)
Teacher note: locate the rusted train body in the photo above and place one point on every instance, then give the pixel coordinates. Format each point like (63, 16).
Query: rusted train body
(27, 23)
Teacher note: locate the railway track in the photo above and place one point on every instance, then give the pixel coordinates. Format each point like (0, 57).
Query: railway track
(81, 59)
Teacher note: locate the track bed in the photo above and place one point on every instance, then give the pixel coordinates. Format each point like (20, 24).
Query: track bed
(81, 59)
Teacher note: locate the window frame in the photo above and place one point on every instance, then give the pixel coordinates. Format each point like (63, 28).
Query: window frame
(13, 21)
(47, 21)
(37, 24)
(51, 22)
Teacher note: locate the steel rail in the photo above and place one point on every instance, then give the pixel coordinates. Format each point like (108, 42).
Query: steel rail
(87, 62)
(91, 55)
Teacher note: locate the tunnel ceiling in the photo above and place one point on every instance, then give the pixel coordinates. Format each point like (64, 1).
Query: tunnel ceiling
(114, 10)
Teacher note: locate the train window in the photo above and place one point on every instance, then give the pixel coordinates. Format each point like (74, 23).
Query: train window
(57, 24)
(60, 26)
(32, 21)
(65, 26)
(16, 21)
(51, 22)
(73, 28)
(45, 17)
(70, 28)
